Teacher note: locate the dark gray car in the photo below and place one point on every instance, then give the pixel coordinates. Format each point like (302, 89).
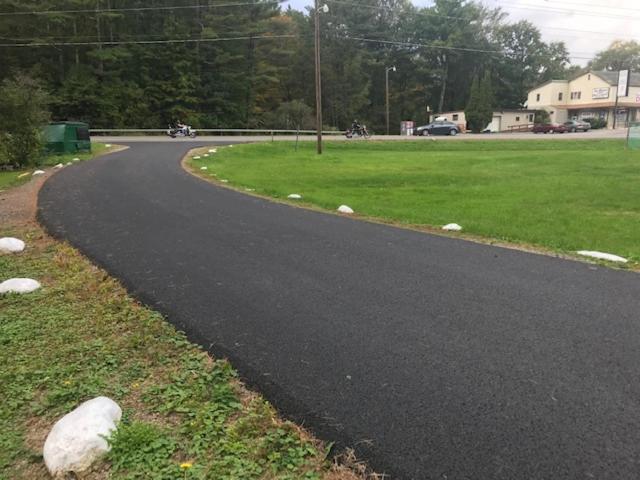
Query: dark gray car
(577, 125)
(438, 128)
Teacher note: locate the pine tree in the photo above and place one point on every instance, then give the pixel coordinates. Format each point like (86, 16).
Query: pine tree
(479, 111)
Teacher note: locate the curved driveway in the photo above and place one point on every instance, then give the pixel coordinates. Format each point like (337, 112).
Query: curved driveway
(435, 358)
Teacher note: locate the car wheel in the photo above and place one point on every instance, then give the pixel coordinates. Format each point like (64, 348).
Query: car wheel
(424, 133)
(453, 132)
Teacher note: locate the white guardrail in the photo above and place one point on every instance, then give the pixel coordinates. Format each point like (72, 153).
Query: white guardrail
(219, 131)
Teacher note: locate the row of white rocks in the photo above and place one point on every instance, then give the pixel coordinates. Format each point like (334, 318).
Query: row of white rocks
(78, 439)
(10, 245)
(454, 227)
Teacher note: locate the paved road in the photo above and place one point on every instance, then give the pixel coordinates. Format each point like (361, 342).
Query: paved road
(593, 134)
(436, 358)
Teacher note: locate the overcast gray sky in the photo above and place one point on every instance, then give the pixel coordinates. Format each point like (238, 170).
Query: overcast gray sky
(586, 26)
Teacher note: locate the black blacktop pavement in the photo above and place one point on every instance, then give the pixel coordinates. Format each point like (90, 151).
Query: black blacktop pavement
(434, 357)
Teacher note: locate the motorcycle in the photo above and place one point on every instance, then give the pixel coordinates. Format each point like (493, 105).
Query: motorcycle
(357, 132)
(187, 131)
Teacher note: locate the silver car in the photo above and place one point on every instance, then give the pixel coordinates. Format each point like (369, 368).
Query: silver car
(577, 125)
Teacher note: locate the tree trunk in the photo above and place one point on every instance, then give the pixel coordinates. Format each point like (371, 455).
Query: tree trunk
(99, 34)
(75, 37)
(443, 90)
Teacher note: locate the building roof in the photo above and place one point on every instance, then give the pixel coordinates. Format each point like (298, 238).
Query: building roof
(502, 110)
(611, 77)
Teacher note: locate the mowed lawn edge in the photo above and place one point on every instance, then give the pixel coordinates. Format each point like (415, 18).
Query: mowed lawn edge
(545, 196)
(17, 177)
(186, 414)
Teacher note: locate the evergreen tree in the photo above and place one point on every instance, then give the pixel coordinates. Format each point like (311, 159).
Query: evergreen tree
(479, 111)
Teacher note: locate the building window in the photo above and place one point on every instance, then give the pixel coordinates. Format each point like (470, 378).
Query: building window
(531, 117)
(560, 96)
(538, 97)
(589, 77)
(455, 116)
(576, 95)
(517, 119)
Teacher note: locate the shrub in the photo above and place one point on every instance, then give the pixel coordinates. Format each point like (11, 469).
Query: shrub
(542, 116)
(23, 112)
(479, 111)
(596, 123)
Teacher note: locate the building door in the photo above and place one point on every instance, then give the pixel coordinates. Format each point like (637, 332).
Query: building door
(495, 125)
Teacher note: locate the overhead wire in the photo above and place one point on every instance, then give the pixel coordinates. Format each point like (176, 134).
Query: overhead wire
(137, 9)
(146, 42)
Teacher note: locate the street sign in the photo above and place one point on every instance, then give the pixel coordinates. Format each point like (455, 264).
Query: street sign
(623, 83)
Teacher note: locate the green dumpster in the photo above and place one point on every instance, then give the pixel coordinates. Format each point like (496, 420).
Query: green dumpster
(67, 137)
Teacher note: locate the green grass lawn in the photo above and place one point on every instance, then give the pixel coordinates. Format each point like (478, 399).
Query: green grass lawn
(13, 178)
(564, 195)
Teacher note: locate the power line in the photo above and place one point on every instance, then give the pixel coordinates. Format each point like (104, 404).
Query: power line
(593, 5)
(146, 42)
(124, 37)
(590, 5)
(568, 11)
(466, 19)
(137, 9)
(342, 2)
(439, 47)
(257, 37)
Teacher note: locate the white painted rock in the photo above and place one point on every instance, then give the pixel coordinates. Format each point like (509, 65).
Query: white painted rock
(76, 159)
(452, 227)
(249, 189)
(206, 154)
(108, 145)
(602, 256)
(204, 168)
(295, 196)
(60, 165)
(68, 163)
(11, 245)
(38, 172)
(345, 209)
(76, 440)
(197, 157)
(224, 181)
(213, 150)
(19, 285)
(22, 175)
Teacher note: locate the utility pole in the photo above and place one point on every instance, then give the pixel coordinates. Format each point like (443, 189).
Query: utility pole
(386, 72)
(318, 84)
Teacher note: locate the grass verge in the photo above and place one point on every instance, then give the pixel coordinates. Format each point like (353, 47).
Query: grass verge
(186, 415)
(12, 178)
(562, 196)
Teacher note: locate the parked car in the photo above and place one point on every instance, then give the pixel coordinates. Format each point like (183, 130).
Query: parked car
(549, 128)
(577, 125)
(438, 128)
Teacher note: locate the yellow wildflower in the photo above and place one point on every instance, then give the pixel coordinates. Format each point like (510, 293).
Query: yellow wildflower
(186, 465)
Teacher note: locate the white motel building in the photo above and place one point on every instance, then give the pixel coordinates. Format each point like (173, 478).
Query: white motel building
(592, 94)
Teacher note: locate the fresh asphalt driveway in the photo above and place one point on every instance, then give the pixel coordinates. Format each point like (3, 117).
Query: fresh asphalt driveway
(434, 358)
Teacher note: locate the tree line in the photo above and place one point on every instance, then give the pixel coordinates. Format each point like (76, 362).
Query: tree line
(249, 64)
